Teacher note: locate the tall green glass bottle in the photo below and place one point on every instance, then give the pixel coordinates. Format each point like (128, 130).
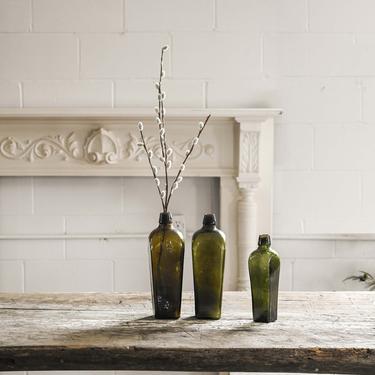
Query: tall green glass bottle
(264, 269)
(208, 268)
(167, 249)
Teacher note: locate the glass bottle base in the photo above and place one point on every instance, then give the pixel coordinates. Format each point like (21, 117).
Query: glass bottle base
(264, 318)
(207, 314)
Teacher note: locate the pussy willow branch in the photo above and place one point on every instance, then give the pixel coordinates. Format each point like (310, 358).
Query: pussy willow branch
(152, 169)
(165, 196)
(163, 142)
(184, 161)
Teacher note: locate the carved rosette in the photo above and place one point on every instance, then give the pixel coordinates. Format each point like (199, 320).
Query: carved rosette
(102, 147)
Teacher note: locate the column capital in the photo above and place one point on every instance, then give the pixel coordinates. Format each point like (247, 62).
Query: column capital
(248, 182)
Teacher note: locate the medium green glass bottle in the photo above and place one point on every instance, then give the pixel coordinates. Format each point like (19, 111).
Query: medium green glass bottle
(264, 269)
(167, 249)
(208, 268)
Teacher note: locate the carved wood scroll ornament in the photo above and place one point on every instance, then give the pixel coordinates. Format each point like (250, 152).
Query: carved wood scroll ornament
(100, 146)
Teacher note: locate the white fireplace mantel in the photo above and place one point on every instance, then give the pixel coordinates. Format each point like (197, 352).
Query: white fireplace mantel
(236, 146)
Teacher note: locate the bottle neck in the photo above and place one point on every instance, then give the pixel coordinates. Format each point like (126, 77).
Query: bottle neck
(166, 225)
(209, 227)
(165, 218)
(263, 247)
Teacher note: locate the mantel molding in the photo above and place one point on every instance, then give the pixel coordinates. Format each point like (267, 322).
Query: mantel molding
(240, 114)
(236, 146)
(94, 141)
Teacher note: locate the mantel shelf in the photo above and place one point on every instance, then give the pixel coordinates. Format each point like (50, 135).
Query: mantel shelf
(138, 112)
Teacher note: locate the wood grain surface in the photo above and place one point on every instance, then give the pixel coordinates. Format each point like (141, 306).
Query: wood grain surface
(316, 332)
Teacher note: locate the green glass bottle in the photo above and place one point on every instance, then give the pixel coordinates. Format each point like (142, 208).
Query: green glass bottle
(208, 268)
(264, 269)
(167, 249)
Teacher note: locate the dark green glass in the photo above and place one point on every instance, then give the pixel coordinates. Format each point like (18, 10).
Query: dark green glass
(167, 249)
(264, 269)
(208, 268)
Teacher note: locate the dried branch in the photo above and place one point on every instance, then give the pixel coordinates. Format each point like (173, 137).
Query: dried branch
(161, 123)
(153, 168)
(166, 153)
(178, 177)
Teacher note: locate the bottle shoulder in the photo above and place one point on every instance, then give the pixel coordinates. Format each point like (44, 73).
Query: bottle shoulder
(269, 253)
(274, 253)
(216, 234)
(171, 232)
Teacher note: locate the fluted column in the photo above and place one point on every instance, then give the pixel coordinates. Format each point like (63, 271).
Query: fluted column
(247, 230)
(255, 162)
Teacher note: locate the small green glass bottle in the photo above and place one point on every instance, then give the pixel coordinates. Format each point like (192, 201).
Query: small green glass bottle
(167, 249)
(208, 269)
(264, 269)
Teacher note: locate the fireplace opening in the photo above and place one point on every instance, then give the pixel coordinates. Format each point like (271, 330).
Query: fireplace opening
(71, 234)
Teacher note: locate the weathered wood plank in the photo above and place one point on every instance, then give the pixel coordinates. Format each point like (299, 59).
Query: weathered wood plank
(316, 333)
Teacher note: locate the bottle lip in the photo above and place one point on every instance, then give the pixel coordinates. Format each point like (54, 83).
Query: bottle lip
(165, 218)
(264, 240)
(209, 219)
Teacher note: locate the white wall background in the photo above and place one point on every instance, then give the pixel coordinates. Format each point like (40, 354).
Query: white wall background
(314, 58)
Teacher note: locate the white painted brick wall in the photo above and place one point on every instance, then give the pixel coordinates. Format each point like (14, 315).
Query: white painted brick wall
(216, 55)
(10, 94)
(78, 196)
(312, 54)
(314, 58)
(15, 15)
(107, 56)
(31, 224)
(169, 15)
(32, 249)
(304, 99)
(181, 93)
(299, 154)
(11, 276)
(266, 15)
(324, 264)
(78, 15)
(341, 16)
(82, 93)
(16, 196)
(314, 195)
(68, 275)
(38, 56)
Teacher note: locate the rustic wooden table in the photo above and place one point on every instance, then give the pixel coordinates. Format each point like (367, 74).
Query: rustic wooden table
(315, 332)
